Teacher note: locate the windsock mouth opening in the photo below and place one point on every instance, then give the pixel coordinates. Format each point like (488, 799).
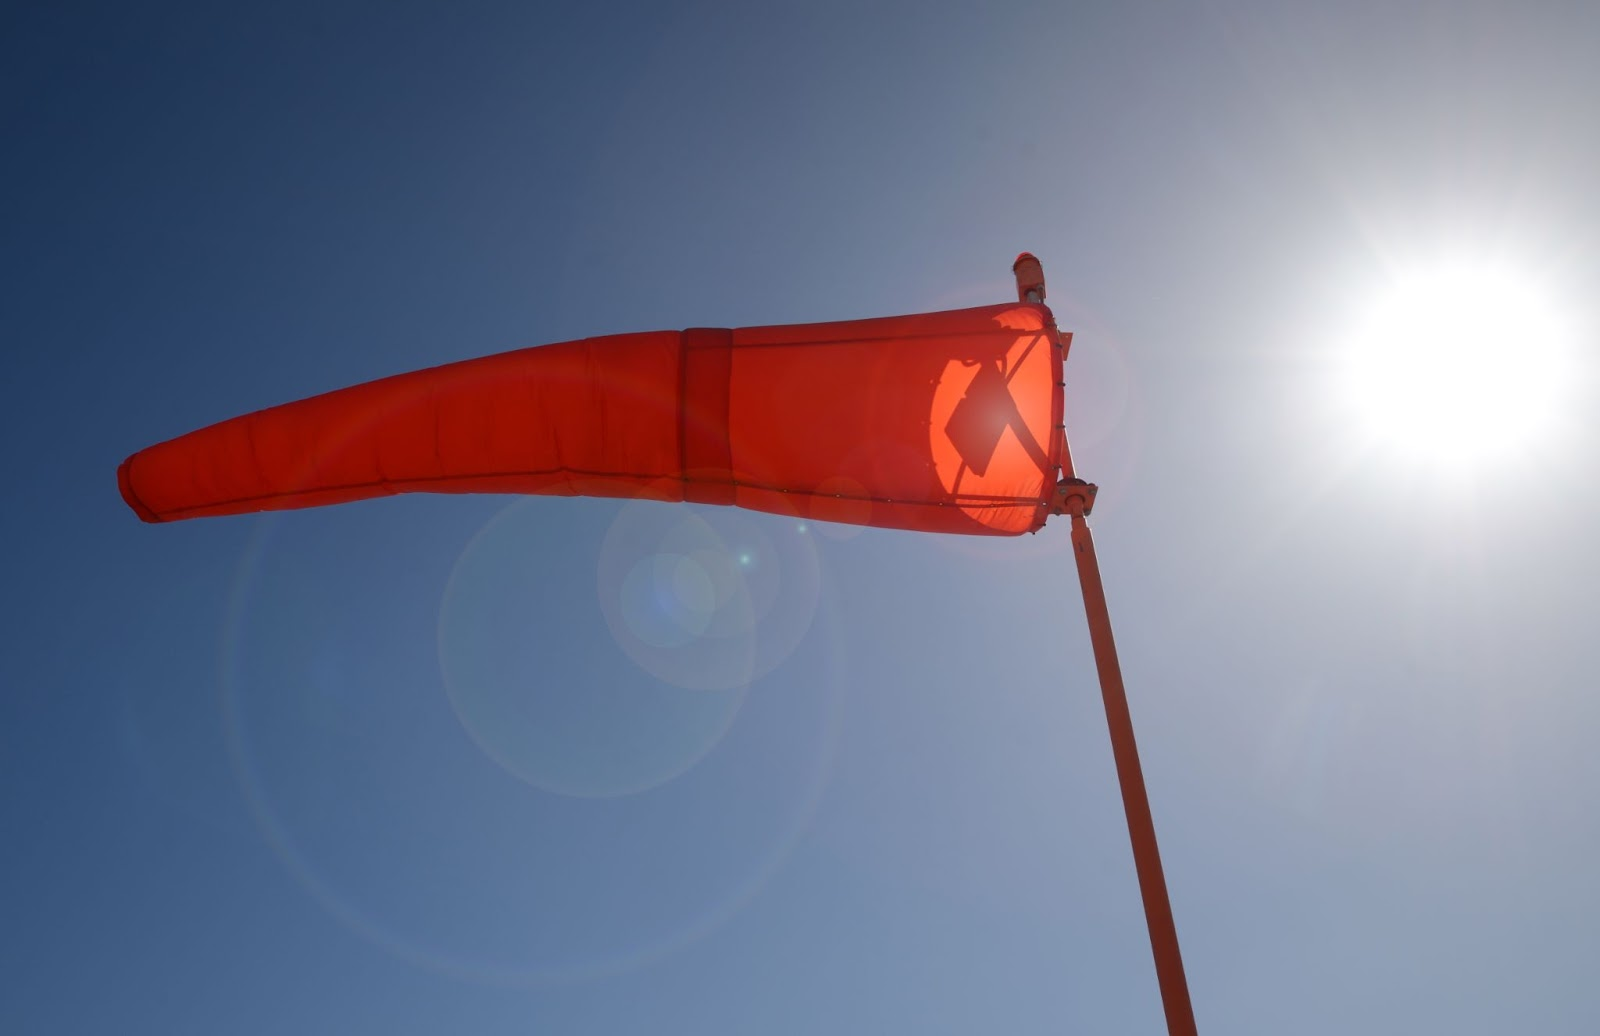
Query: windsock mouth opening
(129, 497)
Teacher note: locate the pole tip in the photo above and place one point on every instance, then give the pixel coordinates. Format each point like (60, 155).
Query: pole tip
(1030, 278)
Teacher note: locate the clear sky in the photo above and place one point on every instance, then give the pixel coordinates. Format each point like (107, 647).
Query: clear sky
(295, 774)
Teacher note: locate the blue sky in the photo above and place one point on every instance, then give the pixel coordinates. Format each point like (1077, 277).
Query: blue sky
(286, 774)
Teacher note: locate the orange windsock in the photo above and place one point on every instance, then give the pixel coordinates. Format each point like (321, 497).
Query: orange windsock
(938, 422)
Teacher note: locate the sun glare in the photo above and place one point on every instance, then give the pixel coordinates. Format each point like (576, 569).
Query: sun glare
(1456, 364)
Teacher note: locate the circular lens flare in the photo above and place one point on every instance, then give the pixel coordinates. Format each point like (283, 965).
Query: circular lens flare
(365, 797)
(563, 714)
(706, 599)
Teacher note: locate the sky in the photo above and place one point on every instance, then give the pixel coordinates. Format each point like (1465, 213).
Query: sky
(295, 773)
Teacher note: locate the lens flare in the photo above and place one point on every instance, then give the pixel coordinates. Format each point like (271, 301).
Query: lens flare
(560, 711)
(360, 783)
(707, 599)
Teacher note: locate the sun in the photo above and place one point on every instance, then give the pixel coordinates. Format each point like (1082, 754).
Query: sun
(1456, 363)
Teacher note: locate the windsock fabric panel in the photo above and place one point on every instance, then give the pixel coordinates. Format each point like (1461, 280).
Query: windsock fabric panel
(938, 422)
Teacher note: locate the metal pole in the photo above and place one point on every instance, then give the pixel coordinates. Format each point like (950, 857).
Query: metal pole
(1076, 498)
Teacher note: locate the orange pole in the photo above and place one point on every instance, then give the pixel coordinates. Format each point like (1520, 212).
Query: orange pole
(1076, 499)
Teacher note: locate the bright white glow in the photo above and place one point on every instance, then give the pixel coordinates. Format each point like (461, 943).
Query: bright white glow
(1457, 364)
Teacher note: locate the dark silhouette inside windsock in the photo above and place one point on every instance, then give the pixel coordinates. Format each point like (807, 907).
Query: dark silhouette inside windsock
(986, 410)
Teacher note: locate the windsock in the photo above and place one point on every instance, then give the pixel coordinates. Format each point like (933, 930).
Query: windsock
(936, 422)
